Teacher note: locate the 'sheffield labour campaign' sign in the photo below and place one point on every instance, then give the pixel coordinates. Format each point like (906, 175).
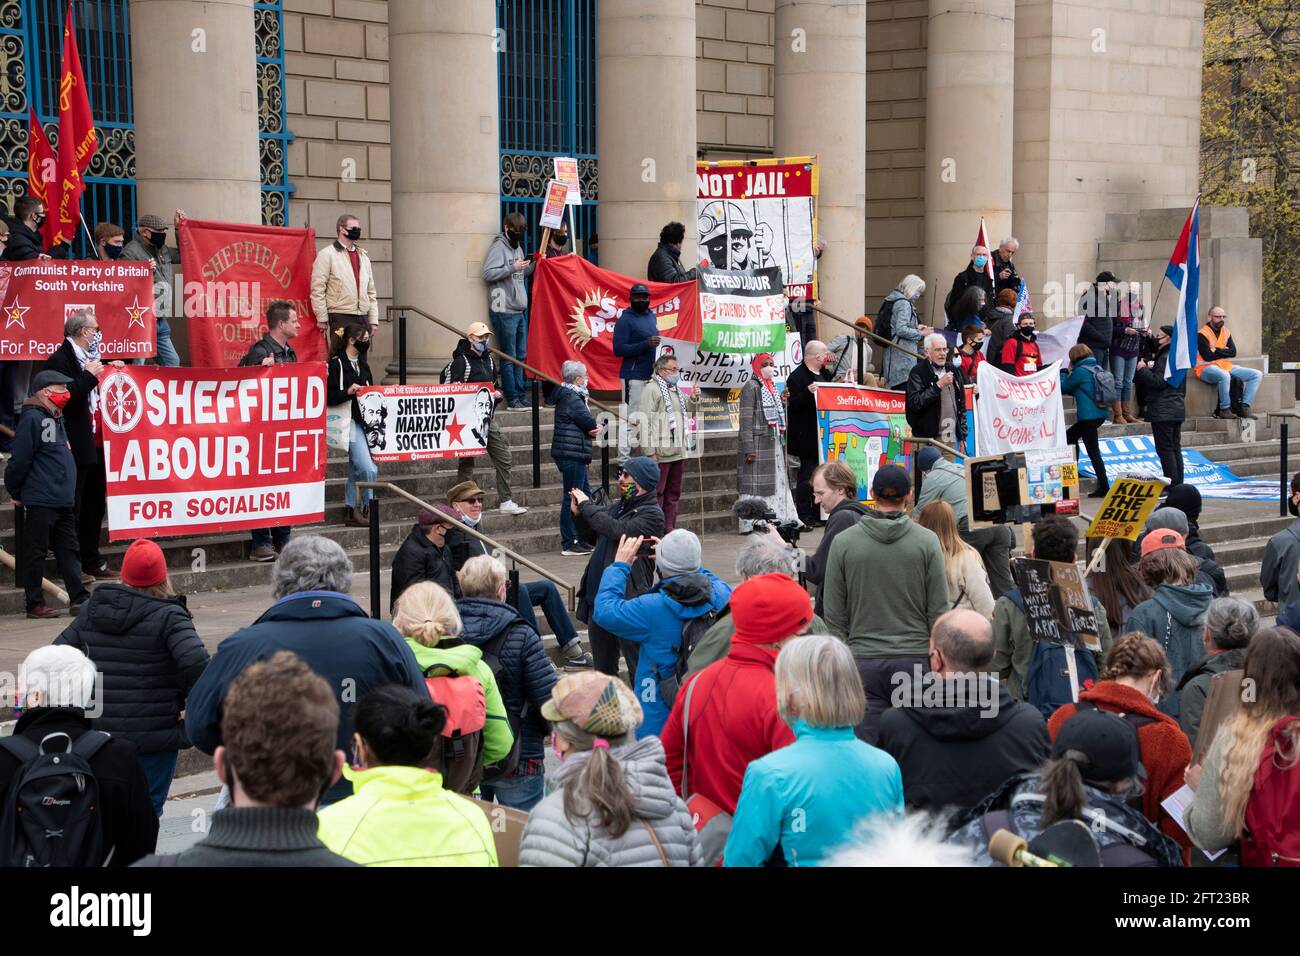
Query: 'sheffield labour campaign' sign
(424, 422)
(742, 310)
(38, 296)
(201, 450)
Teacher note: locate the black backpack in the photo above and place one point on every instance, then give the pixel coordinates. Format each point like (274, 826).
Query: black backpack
(52, 814)
(884, 326)
(693, 632)
(507, 764)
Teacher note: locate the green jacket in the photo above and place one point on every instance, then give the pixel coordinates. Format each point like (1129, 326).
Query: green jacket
(716, 642)
(1012, 644)
(468, 659)
(885, 586)
(947, 482)
(401, 816)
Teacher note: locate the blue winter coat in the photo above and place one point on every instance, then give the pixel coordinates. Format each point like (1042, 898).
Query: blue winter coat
(810, 795)
(526, 675)
(336, 639)
(1079, 384)
(655, 620)
(573, 420)
(41, 470)
(632, 334)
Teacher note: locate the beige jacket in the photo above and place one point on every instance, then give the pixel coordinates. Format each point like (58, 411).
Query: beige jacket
(334, 289)
(968, 584)
(658, 439)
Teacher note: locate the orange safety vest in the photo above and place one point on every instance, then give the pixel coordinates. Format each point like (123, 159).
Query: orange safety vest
(1219, 341)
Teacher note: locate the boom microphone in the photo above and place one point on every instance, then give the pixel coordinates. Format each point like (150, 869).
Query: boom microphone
(750, 508)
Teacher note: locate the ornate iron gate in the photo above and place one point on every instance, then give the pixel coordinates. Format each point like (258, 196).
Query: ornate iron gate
(273, 136)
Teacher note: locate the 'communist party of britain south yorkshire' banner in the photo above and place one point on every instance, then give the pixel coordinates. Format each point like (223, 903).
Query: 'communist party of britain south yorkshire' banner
(202, 450)
(233, 271)
(425, 422)
(38, 296)
(574, 308)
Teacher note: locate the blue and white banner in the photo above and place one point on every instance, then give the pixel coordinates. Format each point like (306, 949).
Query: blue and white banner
(1136, 456)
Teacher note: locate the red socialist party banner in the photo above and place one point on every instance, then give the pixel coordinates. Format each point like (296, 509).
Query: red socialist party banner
(37, 297)
(575, 306)
(201, 450)
(233, 271)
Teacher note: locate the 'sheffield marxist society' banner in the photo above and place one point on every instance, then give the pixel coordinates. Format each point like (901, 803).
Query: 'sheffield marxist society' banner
(38, 296)
(425, 422)
(233, 271)
(202, 450)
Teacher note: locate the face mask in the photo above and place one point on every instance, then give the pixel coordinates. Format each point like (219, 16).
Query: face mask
(113, 252)
(354, 233)
(980, 261)
(640, 305)
(60, 399)
(559, 241)
(1027, 331)
(673, 379)
(363, 346)
(480, 346)
(158, 240)
(513, 236)
(95, 340)
(627, 488)
(768, 372)
(40, 220)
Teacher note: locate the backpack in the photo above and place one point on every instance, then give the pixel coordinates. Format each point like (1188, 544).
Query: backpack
(1271, 835)
(1104, 391)
(693, 632)
(52, 815)
(884, 326)
(458, 754)
(507, 764)
(1047, 682)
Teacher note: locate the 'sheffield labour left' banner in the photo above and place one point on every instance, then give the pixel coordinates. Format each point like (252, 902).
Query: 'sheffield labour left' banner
(233, 271)
(200, 450)
(424, 422)
(742, 310)
(38, 296)
(575, 306)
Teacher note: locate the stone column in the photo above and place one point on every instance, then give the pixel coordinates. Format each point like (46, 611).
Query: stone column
(194, 96)
(968, 133)
(446, 193)
(645, 115)
(821, 108)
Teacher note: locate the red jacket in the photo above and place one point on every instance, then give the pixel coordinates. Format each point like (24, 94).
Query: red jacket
(733, 721)
(1165, 750)
(1018, 355)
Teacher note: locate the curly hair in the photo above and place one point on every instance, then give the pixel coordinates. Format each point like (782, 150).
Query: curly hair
(1137, 655)
(1056, 539)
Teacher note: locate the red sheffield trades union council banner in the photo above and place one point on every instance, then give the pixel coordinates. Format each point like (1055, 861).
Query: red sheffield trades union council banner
(37, 296)
(195, 450)
(233, 271)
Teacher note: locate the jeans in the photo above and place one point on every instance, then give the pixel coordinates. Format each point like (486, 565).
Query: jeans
(546, 595)
(45, 528)
(277, 536)
(1217, 376)
(1123, 369)
(361, 467)
(670, 490)
(1102, 356)
(521, 791)
(1168, 437)
(1087, 431)
(159, 769)
(167, 355)
(573, 474)
(512, 338)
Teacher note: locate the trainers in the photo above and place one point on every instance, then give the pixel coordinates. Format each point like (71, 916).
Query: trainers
(1224, 413)
(509, 507)
(41, 611)
(577, 548)
(577, 659)
(263, 552)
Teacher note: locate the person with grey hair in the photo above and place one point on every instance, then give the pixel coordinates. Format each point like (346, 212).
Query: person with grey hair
(149, 244)
(57, 689)
(905, 330)
(1004, 269)
(313, 617)
(760, 554)
(936, 396)
(575, 427)
(802, 439)
(667, 434)
(1230, 623)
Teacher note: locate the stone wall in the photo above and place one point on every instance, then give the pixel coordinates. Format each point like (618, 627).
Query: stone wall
(734, 104)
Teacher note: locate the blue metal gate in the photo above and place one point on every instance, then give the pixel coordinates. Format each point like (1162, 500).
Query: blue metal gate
(546, 74)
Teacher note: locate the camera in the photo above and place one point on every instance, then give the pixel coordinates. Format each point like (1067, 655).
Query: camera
(763, 517)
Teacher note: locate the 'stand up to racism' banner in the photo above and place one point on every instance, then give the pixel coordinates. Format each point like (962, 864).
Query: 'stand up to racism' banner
(198, 450)
(38, 297)
(1019, 413)
(575, 306)
(760, 214)
(233, 271)
(423, 422)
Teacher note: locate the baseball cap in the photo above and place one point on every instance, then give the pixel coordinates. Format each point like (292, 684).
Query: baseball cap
(478, 328)
(1160, 539)
(891, 483)
(596, 703)
(1108, 742)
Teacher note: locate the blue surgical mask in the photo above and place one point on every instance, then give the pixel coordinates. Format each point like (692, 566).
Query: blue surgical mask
(980, 261)
(673, 379)
(480, 346)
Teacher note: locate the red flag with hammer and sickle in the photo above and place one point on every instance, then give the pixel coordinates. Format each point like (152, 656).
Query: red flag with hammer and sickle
(77, 141)
(42, 172)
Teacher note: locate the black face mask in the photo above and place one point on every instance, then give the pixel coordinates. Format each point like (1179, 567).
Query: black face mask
(113, 252)
(363, 346)
(354, 233)
(514, 236)
(640, 305)
(40, 220)
(1026, 334)
(158, 240)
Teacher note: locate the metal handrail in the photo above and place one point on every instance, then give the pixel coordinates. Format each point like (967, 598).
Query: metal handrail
(1284, 482)
(866, 333)
(514, 557)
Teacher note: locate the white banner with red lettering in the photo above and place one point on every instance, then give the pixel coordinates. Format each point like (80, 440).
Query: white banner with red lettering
(425, 422)
(202, 450)
(1015, 413)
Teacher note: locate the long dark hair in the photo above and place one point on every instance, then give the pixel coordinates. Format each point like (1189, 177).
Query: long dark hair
(1118, 584)
(1061, 783)
(348, 332)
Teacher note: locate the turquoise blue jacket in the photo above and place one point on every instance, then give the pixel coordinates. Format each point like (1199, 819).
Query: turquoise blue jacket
(1079, 384)
(810, 796)
(655, 620)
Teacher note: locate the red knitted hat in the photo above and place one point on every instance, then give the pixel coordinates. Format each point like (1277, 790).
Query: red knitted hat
(769, 608)
(144, 564)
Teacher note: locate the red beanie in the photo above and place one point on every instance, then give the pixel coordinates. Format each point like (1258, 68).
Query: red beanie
(769, 608)
(144, 564)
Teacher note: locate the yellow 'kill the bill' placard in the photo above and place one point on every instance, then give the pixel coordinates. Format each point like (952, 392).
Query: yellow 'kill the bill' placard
(1126, 508)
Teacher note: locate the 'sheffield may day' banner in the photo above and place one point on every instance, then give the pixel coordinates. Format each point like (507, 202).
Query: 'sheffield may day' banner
(742, 310)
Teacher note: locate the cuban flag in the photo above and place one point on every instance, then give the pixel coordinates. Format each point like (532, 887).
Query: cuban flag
(1184, 271)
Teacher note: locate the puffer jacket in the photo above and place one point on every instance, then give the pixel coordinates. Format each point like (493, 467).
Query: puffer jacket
(526, 674)
(150, 655)
(1175, 617)
(469, 365)
(551, 838)
(1195, 685)
(1112, 822)
(468, 660)
(655, 621)
(401, 816)
(573, 422)
(39, 472)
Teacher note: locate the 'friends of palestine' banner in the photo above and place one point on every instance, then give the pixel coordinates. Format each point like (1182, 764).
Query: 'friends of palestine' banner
(742, 311)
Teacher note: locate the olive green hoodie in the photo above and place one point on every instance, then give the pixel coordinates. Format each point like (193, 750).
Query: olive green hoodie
(466, 659)
(885, 586)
